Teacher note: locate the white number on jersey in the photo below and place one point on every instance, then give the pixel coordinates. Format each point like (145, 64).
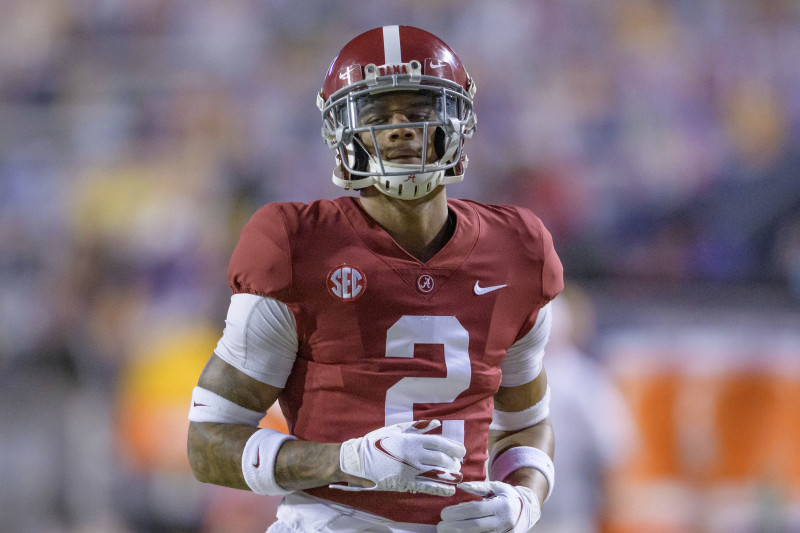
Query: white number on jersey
(400, 341)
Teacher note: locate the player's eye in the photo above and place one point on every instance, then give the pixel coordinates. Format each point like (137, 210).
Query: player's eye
(421, 114)
(372, 119)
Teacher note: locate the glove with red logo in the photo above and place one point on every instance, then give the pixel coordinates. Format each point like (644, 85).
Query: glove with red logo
(403, 458)
(504, 508)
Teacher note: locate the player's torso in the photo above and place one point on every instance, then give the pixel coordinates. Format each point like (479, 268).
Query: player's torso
(385, 338)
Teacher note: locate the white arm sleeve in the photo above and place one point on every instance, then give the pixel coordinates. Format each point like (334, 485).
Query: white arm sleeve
(523, 361)
(260, 338)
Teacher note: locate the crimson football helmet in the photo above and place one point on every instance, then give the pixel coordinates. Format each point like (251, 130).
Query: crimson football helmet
(397, 58)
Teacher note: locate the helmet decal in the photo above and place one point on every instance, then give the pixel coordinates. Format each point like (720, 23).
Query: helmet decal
(392, 54)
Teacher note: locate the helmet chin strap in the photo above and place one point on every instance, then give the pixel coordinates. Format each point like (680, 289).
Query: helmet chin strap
(406, 184)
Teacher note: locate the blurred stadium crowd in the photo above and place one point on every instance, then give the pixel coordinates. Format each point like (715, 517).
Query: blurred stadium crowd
(659, 140)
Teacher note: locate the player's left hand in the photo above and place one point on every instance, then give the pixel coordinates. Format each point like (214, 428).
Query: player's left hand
(504, 508)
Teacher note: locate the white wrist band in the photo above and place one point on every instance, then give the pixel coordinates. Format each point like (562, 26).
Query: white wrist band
(520, 457)
(258, 461)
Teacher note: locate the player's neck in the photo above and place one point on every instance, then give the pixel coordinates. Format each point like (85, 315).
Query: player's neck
(421, 227)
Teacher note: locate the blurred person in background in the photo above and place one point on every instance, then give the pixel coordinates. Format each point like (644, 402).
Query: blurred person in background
(595, 426)
(401, 331)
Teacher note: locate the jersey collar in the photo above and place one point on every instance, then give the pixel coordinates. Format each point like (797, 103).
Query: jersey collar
(450, 257)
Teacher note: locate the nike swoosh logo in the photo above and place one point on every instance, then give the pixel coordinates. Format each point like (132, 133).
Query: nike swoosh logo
(483, 290)
(258, 458)
(379, 445)
(199, 405)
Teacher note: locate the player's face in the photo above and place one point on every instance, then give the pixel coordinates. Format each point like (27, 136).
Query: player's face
(399, 145)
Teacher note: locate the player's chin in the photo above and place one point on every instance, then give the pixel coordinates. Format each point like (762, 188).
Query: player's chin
(407, 160)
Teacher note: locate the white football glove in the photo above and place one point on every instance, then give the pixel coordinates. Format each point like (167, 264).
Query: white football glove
(403, 458)
(504, 508)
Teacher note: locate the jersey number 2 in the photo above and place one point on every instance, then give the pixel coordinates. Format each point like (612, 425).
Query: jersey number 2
(400, 341)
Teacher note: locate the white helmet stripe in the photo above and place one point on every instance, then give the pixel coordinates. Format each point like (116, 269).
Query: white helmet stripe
(391, 45)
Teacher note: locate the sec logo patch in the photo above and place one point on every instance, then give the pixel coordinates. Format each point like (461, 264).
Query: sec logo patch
(347, 283)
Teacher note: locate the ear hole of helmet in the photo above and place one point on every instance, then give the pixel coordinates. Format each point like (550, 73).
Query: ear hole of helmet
(361, 156)
(439, 138)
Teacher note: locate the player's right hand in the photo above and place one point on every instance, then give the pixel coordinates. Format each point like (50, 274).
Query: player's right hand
(404, 458)
(503, 509)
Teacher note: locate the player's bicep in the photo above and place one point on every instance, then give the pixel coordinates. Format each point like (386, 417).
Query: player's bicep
(522, 397)
(524, 359)
(223, 379)
(260, 338)
(251, 362)
(519, 411)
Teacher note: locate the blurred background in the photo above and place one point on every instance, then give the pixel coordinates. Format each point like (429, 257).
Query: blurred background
(659, 140)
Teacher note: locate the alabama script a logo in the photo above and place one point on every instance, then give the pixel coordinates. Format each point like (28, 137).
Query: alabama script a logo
(425, 283)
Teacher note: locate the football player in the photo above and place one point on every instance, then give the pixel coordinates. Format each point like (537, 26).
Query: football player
(402, 332)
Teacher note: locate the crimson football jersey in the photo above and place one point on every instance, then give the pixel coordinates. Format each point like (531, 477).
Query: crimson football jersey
(385, 338)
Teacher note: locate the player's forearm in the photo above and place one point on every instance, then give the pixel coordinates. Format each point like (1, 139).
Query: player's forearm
(302, 465)
(215, 455)
(539, 436)
(531, 478)
(215, 452)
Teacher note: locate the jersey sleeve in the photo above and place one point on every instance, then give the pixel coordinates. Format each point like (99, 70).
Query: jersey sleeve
(524, 359)
(542, 257)
(552, 269)
(542, 265)
(261, 262)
